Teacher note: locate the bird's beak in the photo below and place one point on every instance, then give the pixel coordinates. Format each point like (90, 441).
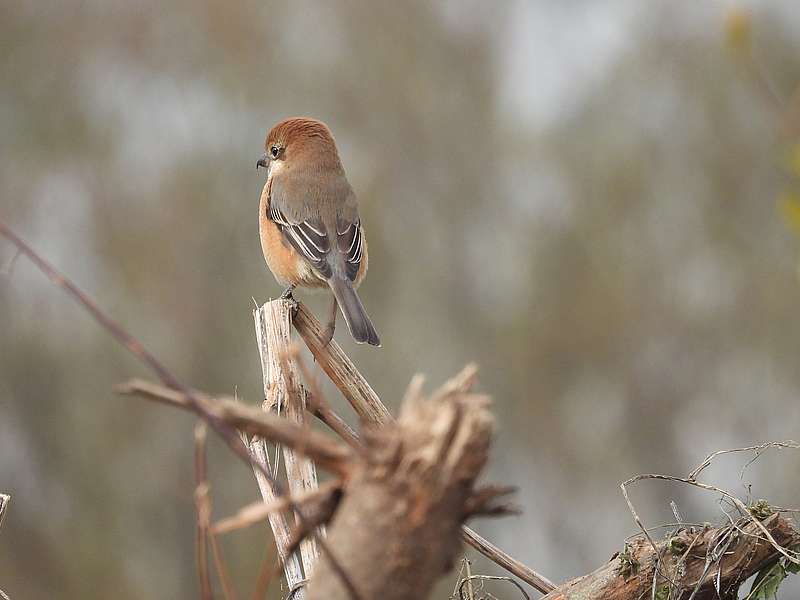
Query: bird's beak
(263, 162)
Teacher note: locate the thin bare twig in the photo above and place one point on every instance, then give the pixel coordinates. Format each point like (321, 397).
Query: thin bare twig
(469, 579)
(260, 511)
(133, 345)
(319, 406)
(228, 589)
(470, 588)
(8, 268)
(256, 421)
(251, 420)
(206, 536)
(266, 572)
(203, 510)
(338, 425)
(691, 480)
(339, 368)
(711, 488)
(759, 449)
(508, 562)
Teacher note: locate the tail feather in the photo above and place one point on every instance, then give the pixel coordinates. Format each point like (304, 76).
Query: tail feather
(355, 316)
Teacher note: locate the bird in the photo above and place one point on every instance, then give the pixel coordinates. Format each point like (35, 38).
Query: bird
(311, 232)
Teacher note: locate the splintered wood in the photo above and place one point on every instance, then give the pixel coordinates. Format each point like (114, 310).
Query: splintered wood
(284, 395)
(398, 526)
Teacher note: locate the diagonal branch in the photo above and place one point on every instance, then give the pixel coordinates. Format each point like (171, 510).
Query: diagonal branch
(259, 511)
(341, 370)
(133, 345)
(251, 420)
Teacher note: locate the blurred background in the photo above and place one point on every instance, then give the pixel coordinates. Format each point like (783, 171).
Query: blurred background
(596, 201)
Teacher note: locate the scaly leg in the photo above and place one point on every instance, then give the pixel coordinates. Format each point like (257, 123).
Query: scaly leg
(287, 293)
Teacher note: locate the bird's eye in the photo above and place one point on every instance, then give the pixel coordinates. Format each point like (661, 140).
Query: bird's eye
(275, 151)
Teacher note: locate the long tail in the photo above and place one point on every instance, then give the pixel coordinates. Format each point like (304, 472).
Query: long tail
(355, 316)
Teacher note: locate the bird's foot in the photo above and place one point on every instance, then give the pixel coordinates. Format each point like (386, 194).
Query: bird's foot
(287, 293)
(274, 407)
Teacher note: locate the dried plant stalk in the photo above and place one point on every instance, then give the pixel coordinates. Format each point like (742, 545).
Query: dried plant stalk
(277, 521)
(282, 393)
(397, 528)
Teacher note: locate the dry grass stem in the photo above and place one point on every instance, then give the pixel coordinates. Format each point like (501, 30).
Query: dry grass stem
(203, 508)
(757, 450)
(258, 512)
(743, 509)
(270, 566)
(252, 421)
(283, 394)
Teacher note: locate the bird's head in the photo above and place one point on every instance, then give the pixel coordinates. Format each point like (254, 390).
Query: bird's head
(299, 141)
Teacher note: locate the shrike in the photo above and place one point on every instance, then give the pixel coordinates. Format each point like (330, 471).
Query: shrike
(310, 230)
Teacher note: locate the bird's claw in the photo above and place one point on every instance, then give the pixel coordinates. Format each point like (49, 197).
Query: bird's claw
(287, 294)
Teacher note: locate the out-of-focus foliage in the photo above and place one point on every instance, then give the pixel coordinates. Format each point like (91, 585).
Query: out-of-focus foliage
(739, 29)
(584, 197)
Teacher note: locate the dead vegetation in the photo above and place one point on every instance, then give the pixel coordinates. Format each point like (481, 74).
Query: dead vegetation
(391, 521)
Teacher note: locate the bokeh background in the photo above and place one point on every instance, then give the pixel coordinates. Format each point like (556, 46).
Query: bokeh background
(596, 201)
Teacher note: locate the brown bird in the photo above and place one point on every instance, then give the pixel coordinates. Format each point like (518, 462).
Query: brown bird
(311, 233)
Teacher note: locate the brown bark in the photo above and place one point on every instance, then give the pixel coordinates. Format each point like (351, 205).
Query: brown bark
(397, 528)
(631, 578)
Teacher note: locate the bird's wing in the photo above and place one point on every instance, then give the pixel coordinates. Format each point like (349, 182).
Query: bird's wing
(308, 237)
(350, 242)
(306, 230)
